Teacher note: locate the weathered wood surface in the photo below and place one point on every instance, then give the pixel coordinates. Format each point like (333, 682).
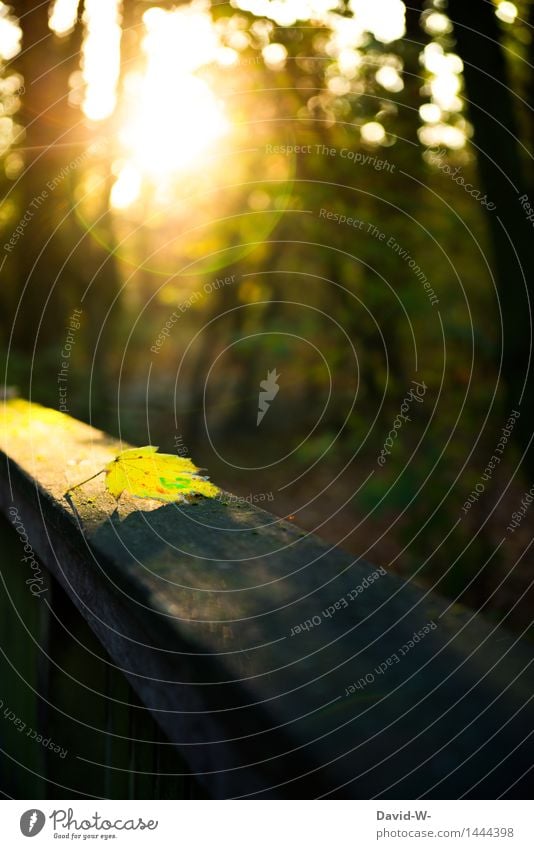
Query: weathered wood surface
(196, 605)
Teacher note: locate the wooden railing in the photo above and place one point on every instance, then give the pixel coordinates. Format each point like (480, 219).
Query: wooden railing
(181, 651)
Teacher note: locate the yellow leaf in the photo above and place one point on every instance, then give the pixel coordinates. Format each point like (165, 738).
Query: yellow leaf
(146, 474)
(164, 477)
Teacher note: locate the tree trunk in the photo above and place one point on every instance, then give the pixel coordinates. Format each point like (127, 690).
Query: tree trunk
(50, 284)
(491, 111)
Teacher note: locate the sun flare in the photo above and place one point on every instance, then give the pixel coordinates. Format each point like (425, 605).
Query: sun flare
(172, 117)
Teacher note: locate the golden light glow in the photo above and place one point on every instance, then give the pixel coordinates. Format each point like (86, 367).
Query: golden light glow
(101, 57)
(172, 116)
(385, 19)
(434, 135)
(10, 38)
(373, 132)
(63, 16)
(437, 23)
(288, 13)
(127, 187)
(507, 12)
(445, 86)
(349, 62)
(430, 113)
(10, 34)
(275, 56)
(389, 78)
(339, 85)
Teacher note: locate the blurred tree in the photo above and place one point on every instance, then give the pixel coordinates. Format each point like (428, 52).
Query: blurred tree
(500, 154)
(241, 209)
(57, 258)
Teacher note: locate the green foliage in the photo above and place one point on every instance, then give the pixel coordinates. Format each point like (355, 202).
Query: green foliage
(257, 263)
